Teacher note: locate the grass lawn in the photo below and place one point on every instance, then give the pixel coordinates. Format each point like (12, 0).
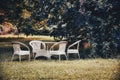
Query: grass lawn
(83, 69)
(91, 69)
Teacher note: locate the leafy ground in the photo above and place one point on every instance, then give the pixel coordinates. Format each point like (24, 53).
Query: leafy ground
(83, 69)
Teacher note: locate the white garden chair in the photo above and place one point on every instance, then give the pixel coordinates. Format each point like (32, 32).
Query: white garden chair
(18, 51)
(72, 50)
(61, 49)
(38, 48)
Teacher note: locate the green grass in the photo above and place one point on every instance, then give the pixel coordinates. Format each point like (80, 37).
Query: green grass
(83, 69)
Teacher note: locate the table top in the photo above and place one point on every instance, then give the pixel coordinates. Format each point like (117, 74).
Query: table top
(51, 42)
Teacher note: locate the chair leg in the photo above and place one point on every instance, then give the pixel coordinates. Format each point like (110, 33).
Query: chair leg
(79, 55)
(66, 57)
(20, 58)
(59, 57)
(49, 57)
(34, 57)
(12, 57)
(29, 57)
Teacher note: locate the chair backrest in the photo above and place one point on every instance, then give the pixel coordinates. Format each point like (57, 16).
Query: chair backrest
(75, 43)
(37, 45)
(16, 46)
(62, 46)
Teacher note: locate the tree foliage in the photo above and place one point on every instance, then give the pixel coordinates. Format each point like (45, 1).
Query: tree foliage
(95, 21)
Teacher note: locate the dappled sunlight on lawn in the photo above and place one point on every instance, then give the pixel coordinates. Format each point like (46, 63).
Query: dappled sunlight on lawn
(23, 38)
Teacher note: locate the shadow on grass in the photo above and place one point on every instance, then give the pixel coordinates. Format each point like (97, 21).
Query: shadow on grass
(1, 71)
(41, 58)
(54, 57)
(9, 39)
(1, 76)
(118, 74)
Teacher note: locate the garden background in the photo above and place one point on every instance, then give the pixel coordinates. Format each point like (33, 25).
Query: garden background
(95, 22)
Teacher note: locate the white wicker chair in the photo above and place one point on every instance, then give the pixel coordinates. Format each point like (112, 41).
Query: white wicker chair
(18, 51)
(71, 50)
(38, 48)
(60, 51)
